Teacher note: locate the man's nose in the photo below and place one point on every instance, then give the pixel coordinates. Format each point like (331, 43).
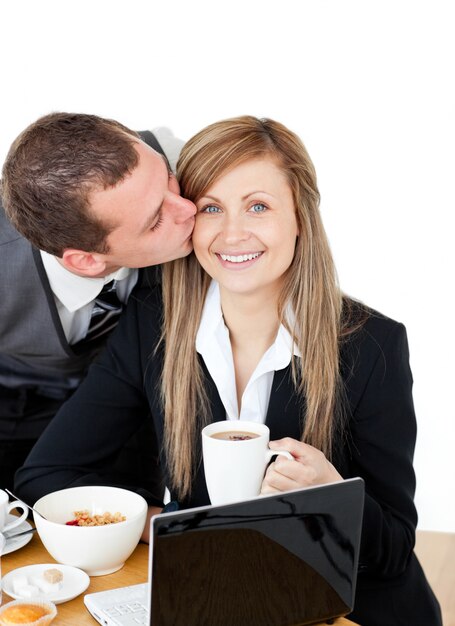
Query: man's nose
(183, 209)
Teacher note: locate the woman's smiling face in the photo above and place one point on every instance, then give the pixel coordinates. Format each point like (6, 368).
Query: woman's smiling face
(246, 228)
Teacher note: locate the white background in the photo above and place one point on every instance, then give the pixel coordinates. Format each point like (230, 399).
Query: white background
(369, 87)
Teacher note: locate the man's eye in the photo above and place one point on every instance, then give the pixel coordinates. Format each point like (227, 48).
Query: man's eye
(211, 209)
(258, 208)
(158, 223)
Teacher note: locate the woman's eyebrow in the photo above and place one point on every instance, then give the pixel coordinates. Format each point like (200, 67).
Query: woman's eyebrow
(252, 193)
(245, 197)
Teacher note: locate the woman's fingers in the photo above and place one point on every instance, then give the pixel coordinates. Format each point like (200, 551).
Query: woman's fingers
(296, 471)
(310, 467)
(302, 452)
(283, 475)
(275, 481)
(298, 449)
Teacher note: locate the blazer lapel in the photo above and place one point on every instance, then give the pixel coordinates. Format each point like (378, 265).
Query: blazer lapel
(285, 408)
(50, 300)
(284, 411)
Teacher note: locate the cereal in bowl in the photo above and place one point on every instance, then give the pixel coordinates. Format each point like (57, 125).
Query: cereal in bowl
(83, 518)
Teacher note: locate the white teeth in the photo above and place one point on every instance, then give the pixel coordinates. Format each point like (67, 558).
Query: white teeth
(241, 258)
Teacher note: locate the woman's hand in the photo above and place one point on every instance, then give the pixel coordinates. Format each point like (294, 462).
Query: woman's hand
(152, 510)
(310, 467)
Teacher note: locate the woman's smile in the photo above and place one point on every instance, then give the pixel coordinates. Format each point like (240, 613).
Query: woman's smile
(238, 261)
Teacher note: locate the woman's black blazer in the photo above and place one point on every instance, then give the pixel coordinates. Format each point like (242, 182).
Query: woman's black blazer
(122, 390)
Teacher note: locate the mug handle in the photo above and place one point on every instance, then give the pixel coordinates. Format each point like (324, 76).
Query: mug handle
(270, 453)
(16, 505)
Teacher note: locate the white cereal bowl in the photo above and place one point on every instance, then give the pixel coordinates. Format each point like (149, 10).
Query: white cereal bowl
(97, 550)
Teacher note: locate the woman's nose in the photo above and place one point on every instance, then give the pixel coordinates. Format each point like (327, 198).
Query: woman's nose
(234, 230)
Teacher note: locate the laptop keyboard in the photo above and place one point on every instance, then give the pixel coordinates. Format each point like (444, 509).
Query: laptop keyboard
(129, 613)
(125, 606)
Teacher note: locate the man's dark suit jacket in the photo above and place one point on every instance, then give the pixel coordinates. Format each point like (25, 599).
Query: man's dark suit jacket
(122, 390)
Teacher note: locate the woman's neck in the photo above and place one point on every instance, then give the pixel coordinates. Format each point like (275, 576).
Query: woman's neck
(247, 316)
(253, 323)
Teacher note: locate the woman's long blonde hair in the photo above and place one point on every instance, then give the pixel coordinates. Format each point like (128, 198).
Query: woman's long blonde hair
(310, 288)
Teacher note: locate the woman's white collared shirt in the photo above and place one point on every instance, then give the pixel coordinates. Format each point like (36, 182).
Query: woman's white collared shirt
(213, 344)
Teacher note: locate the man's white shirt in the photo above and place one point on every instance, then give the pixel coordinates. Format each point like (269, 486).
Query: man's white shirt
(75, 295)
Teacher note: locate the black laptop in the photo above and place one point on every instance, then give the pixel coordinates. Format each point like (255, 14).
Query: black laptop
(280, 560)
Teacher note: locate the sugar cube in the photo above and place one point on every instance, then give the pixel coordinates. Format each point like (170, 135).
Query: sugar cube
(28, 591)
(53, 575)
(43, 585)
(19, 581)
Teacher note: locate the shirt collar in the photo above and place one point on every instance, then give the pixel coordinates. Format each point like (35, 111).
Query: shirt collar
(72, 290)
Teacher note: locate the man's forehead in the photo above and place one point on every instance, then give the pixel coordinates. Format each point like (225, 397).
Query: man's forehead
(141, 190)
(143, 148)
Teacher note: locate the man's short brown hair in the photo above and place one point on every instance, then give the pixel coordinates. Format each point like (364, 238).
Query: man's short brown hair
(50, 171)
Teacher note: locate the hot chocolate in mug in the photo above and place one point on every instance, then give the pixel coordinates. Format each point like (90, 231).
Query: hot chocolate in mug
(236, 454)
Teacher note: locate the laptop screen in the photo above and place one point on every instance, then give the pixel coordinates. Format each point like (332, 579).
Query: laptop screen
(289, 558)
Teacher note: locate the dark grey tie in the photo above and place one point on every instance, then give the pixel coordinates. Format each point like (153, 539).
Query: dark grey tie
(105, 313)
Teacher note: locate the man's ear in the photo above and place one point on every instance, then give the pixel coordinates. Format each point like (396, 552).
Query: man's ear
(90, 264)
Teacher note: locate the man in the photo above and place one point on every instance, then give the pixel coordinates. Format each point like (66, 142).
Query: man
(88, 201)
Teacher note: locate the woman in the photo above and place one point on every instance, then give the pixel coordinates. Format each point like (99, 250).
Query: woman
(256, 327)
(330, 378)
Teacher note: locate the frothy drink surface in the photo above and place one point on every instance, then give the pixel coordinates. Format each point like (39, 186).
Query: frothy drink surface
(234, 435)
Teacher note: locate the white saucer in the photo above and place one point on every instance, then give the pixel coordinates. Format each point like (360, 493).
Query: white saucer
(14, 543)
(75, 581)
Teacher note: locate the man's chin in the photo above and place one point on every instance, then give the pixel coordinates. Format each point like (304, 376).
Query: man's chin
(189, 247)
(181, 253)
(186, 249)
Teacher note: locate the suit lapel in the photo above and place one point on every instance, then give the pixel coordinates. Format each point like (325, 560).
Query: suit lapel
(285, 409)
(50, 300)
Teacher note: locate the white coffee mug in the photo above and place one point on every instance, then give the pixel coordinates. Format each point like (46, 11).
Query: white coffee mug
(2, 545)
(234, 470)
(6, 507)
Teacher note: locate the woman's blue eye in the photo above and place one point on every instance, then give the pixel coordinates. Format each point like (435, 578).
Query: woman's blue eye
(210, 209)
(258, 208)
